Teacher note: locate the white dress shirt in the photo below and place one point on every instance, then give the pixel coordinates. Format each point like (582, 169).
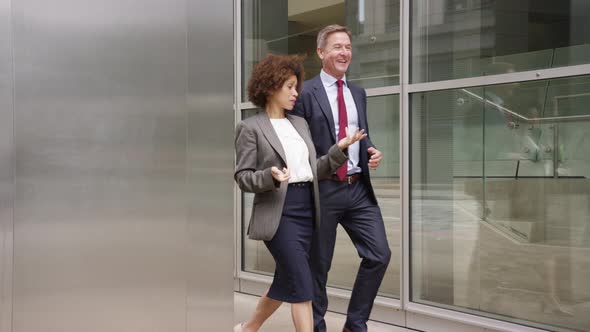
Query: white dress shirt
(295, 149)
(331, 88)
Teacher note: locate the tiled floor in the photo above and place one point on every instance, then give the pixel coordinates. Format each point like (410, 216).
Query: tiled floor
(281, 320)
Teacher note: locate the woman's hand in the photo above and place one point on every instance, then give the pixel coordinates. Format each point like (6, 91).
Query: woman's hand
(351, 138)
(280, 175)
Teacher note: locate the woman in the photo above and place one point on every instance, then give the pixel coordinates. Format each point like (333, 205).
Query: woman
(276, 160)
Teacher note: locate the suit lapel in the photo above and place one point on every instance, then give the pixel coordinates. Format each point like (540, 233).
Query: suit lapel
(302, 130)
(271, 136)
(319, 92)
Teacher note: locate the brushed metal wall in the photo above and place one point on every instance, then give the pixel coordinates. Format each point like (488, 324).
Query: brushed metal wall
(123, 190)
(6, 167)
(210, 163)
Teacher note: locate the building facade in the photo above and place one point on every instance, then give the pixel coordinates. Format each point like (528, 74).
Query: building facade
(480, 108)
(118, 210)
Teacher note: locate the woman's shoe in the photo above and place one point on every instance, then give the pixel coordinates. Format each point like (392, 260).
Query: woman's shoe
(238, 327)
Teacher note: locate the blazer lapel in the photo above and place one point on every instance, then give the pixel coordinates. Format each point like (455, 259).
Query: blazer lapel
(271, 136)
(319, 92)
(302, 130)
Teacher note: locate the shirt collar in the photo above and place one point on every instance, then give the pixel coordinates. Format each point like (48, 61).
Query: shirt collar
(329, 80)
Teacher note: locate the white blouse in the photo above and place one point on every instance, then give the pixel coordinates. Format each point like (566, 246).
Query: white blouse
(295, 149)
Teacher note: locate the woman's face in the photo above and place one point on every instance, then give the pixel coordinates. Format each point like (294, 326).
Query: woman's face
(286, 96)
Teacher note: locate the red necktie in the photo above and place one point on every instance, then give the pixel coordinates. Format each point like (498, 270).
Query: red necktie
(342, 124)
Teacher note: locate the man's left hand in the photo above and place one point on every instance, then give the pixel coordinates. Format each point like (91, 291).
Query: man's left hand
(375, 159)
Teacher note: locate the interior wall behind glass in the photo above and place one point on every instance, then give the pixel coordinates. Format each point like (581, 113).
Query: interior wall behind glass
(500, 201)
(460, 38)
(291, 27)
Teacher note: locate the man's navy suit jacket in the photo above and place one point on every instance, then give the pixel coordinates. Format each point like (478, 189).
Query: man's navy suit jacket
(313, 105)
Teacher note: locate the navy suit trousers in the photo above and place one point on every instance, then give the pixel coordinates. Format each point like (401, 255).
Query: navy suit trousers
(351, 206)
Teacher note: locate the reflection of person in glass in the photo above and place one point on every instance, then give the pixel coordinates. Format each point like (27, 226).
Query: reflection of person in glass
(509, 137)
(276, 160)
(498, 95)
(329, 103)
(502, 141)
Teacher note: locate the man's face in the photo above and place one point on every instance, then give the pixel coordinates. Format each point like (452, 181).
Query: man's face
(336, 54)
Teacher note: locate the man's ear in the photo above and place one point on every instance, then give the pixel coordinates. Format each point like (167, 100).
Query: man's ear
(320, 53)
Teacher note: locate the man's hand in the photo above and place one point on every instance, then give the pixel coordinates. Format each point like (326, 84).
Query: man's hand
(375, 159)
(350, 139)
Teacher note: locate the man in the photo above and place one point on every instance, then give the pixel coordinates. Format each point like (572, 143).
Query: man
(330, 104)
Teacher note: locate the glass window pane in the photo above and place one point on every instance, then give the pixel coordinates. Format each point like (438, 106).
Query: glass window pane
(466, 38)
(291, 27)
(383, 117)
(500, 201)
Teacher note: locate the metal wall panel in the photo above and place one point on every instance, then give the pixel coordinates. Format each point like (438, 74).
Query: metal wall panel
(6, 167)
(100, 207)
(211, 124)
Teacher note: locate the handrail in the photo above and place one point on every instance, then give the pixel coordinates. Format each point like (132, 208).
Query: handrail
(485, 100)
(507, 110)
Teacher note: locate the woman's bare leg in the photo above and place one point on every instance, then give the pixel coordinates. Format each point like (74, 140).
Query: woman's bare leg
(265, 307)
(302, 315)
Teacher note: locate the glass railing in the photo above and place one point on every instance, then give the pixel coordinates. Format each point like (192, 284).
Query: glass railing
(500, 201)
(532, 143)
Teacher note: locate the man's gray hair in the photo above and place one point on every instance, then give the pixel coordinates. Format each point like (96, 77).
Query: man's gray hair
(327, 31)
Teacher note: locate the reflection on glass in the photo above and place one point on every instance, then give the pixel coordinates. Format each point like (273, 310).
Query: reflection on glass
(500, 201)
(290, 27)
(383, 117)
(461, 38)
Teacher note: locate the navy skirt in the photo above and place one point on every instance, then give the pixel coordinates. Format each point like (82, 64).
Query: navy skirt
(291, 245)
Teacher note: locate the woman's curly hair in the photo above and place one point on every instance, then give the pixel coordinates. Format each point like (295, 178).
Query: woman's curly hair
(270, 74)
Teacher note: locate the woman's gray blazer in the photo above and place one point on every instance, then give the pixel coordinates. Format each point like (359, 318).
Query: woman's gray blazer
(258, 148)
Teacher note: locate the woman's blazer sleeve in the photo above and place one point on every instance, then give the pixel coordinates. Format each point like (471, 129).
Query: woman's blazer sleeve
(248, 178)
(330, 162)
